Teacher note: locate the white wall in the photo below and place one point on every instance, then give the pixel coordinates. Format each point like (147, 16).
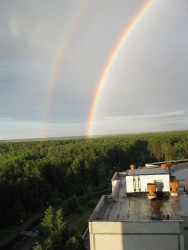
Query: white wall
(162, 182)
(129, 184)
(136, 235)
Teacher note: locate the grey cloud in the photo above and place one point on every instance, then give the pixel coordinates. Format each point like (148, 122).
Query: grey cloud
(148, 77)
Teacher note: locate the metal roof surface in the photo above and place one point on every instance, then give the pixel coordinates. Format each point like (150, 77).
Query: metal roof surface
(147, 171)
(126, 208)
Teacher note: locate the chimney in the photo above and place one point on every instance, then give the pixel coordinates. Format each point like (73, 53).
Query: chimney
(169, 165)
(174, 188)
(132, 166)
(163, 165)
(151, 187)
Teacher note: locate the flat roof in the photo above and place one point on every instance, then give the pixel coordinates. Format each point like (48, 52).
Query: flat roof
(130, 208)
(147, 171)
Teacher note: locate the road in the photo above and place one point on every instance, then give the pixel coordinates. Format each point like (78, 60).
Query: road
(26, 240)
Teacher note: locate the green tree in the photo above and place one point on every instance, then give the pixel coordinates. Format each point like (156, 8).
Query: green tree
(54, 230)
(74, 243)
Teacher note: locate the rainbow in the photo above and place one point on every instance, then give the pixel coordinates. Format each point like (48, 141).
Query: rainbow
(60, 52)
(110, 61)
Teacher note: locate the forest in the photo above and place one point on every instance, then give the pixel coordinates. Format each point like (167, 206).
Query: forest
(66, 172)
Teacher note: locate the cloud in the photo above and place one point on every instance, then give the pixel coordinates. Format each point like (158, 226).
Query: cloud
(176, 113)
(20, 129)
(175, 120)
(147, 81)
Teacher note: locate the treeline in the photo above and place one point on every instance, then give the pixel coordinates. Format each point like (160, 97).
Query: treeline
(34, 175)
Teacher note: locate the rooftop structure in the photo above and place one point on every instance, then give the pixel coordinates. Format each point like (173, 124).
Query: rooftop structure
(148, 209)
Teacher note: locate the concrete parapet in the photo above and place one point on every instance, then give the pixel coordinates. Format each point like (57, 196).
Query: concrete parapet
(173, 162)
(115, 191)
(114, 180)
(98, 208)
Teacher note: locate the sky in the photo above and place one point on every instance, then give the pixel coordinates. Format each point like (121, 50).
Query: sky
(52, 54)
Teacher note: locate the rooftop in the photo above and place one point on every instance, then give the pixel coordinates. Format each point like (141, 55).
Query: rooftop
(130, 208)
(147, 171)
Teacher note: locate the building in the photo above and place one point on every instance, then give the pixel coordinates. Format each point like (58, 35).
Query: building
(147, 209)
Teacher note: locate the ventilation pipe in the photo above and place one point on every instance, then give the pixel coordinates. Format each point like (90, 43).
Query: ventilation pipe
(151, 187)
(172, 177)
(132, 166)
(163, 165)
(174, 187)
(169, 165)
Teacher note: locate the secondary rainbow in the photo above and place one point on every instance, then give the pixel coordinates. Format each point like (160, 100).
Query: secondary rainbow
(60, 53)
(110, 61)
